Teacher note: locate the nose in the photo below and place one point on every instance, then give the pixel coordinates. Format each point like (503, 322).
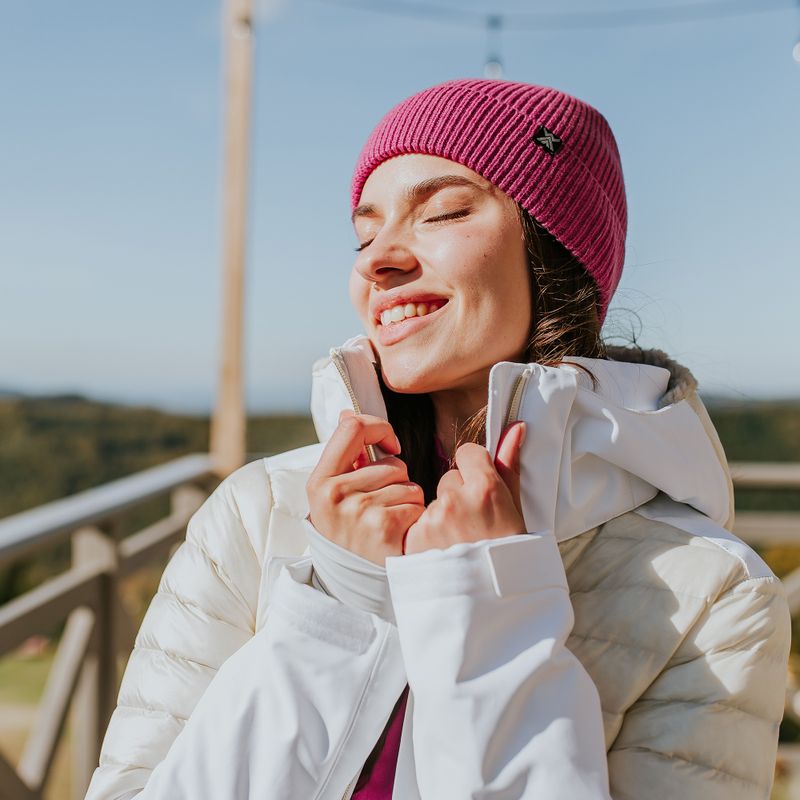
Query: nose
(386, 261)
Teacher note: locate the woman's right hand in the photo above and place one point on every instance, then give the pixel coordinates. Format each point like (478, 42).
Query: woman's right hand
(365, 507)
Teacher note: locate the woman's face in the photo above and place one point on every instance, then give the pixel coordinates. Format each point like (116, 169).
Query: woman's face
(434, 233)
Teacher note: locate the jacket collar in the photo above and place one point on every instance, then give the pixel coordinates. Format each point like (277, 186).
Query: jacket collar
(591, 454)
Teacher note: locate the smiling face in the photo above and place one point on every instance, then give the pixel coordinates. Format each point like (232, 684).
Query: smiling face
(438, 239)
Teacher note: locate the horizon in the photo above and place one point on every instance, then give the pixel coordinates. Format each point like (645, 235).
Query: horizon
(709, 400)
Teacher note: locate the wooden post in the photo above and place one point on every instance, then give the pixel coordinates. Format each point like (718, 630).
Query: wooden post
(228, 421)
(96, 693)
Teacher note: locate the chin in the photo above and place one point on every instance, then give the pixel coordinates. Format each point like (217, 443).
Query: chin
(405, 382)
(408, 376)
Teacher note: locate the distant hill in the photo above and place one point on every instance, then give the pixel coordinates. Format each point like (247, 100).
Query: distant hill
(764, 430)
(54, 446)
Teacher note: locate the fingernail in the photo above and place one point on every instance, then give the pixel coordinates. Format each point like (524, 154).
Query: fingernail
(523, 434)
(398, 443)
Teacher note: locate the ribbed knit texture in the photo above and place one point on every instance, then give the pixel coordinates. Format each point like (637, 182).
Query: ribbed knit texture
(577, 194)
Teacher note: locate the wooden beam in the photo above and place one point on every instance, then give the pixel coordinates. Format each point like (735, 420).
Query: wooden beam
(40, 748)
(45, 525)
(12, 787)
(95, 695)
(228, 423)
(765, 475)
(151, 544)
(768, 527)
(40, 609)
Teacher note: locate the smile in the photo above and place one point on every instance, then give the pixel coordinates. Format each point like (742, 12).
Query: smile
(405, 319)
(404, 310)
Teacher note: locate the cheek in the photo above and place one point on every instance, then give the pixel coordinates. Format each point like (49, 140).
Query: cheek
(358, 289)
(520, 303)
(500, 272)
(516, 288)
(507, 283)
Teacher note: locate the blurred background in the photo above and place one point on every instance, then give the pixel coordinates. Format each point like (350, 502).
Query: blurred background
(152, 154)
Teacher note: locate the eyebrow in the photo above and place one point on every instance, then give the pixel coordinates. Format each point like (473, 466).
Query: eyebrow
(424, 188)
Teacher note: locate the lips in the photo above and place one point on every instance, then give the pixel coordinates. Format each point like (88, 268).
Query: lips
(391, 300)
(395, 331)
(405, 310)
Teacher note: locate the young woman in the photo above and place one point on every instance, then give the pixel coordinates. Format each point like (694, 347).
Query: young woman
(507, 570)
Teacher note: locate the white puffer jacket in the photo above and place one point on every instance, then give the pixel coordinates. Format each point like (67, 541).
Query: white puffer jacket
(628, 646)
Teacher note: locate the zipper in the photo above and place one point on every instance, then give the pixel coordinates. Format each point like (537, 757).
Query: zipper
(348, 792)
(511, 414)
(341, 366)
(516, 396)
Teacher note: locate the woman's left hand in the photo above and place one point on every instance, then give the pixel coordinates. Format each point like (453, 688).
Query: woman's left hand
(477, 500)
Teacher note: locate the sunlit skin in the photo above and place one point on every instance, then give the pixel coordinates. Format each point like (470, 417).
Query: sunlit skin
(475, 260)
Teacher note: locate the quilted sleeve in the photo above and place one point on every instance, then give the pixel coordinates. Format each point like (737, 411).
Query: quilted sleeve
(707, 727)
(203, 612)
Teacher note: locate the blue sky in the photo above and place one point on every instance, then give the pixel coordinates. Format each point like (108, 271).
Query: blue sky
(111, 168)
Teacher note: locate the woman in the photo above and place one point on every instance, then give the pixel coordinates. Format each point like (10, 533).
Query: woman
(506, 571)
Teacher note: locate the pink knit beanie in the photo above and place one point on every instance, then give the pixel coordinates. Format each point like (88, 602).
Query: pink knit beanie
(552, 153)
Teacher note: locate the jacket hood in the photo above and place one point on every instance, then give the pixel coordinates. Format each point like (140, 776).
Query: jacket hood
(592, 452)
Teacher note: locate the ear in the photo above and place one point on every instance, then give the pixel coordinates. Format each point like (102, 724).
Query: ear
(507, 461)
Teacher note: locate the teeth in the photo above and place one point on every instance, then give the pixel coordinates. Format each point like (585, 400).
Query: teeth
(400, 312)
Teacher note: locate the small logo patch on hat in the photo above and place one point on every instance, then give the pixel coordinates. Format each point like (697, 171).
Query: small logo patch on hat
(547, 140)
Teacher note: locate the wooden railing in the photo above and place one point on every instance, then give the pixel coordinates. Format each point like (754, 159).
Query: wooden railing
(774, 528)
(83, 679)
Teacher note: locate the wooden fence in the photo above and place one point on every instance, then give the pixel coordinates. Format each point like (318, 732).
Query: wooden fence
(83, 679)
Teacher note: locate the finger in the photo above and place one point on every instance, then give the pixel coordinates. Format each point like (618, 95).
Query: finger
(474, 462)
(452, 479)
(405, 515)
(507, 460)
(398, 494)
(351, 435)
(363, 457)
(375, 475)
(362, 460)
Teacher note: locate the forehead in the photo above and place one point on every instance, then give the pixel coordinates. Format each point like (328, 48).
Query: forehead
(412, 177)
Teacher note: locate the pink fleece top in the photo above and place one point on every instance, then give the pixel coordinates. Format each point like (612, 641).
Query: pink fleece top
(376, 781)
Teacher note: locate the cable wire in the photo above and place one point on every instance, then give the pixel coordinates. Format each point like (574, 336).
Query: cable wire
(547, 20)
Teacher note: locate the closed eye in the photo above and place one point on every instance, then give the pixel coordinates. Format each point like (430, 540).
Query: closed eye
(440, 218)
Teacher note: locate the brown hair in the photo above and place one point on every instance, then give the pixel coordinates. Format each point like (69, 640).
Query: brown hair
(565, 322)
